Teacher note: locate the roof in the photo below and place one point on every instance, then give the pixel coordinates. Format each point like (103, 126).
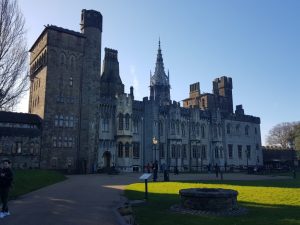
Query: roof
(59, 29)
(25, 118)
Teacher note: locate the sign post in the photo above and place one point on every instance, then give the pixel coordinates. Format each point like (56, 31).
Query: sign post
(145, 177)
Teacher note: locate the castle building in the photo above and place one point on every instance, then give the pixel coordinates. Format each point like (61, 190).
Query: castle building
(90, 123)
(20, 139)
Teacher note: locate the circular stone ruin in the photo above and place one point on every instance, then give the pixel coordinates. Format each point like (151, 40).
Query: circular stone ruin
(209, 199)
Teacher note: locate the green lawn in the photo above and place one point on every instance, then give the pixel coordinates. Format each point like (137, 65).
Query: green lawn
(269, 202)
(29, 180)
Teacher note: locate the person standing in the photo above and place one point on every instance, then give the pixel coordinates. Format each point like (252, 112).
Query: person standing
(155, 170)
(217, 170)
(6, 178)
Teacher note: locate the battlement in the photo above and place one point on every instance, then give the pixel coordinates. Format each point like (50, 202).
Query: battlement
(111, 53)
(223, 82)
(195, 90)
(91, 18)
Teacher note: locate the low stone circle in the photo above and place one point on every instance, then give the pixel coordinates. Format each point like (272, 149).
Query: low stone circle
(209, 199)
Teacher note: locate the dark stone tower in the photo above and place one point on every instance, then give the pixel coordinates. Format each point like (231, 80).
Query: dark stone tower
(223, 87)
(91, 27)
(111, 83)
(159, 82)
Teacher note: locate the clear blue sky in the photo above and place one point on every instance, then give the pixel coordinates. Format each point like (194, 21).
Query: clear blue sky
(257, 43)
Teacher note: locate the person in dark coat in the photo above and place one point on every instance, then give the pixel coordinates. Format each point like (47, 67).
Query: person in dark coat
(155, 170)
(217, 170)
(6, 178)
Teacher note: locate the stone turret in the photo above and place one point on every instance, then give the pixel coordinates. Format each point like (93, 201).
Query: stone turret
(111, 83)
(91, 28)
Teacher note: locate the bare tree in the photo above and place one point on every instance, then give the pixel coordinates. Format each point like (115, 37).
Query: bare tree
(283, 134)
(13, 55)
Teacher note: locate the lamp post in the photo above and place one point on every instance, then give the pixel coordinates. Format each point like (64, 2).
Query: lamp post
(154, 142)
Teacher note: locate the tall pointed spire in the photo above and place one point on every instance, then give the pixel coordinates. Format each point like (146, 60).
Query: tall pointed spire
(159, 82)
(159, 43)
(159, 76)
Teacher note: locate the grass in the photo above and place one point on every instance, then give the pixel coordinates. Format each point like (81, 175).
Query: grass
(26, 181)
(269, 202)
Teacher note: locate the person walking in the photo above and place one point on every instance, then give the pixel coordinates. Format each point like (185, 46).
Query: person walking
(6, 178)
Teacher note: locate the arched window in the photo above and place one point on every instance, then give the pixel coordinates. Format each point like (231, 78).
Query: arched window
(120, 150)
(203, 152)
(198, 129)
(228, 128)
(173, 127)
(221, 152)
(216, 152)
(177, 127)
(193, 128)
(62, 59)
(127, 150)
(136, 150)
(127, 117)
(72, 62)
(121, 122)
(183, 129)
(173, 151)
(203, 131)
(247, 130)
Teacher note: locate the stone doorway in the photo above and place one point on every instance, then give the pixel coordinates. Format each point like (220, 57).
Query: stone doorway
(106, 159)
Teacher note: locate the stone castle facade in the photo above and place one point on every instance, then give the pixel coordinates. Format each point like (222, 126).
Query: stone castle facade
(90, 123)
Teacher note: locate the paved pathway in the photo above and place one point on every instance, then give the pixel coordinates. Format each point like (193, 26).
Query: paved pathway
(85, 199)
(80, 200)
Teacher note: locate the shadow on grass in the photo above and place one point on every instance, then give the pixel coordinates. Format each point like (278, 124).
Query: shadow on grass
(157, 211)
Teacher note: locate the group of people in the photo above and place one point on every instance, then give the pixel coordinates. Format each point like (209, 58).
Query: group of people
(6, 178)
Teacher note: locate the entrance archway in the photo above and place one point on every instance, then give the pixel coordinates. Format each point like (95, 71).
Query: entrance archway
(107, 159)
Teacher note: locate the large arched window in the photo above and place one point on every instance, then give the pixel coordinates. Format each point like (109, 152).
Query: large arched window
(127, 117)
(127, 150)
(121, 122)
(120, 150)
